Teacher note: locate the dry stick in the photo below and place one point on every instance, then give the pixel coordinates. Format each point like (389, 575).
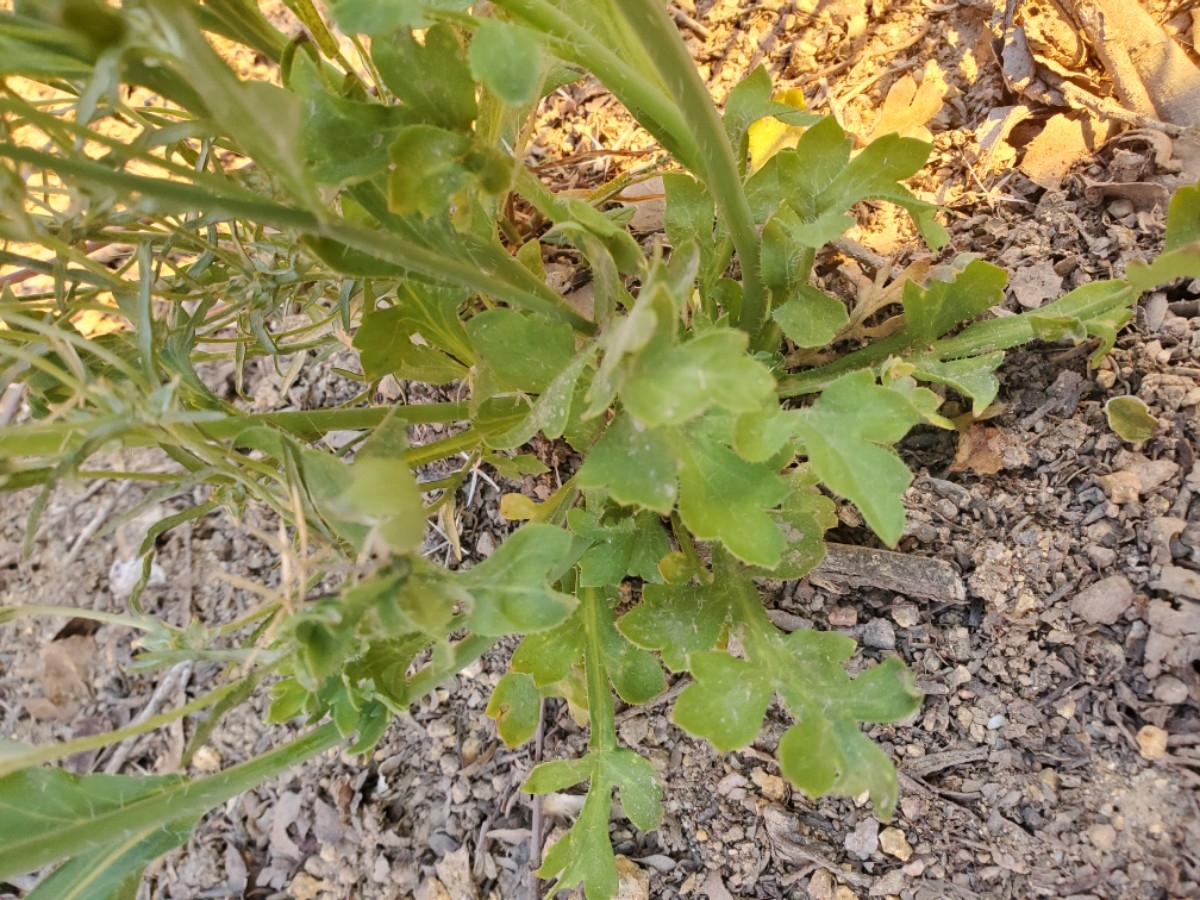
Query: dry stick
(535, 839)
(855, 62)
(11, 402)
(790, 845)
(696, 28)
(97, 522)
(1111, 110)
(866, 84)
(175, 679)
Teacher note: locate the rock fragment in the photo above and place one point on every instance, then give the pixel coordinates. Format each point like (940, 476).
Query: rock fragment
(893, 842)
(863, 841)
(1152, 742)
(1103, 602)
(1179, 581)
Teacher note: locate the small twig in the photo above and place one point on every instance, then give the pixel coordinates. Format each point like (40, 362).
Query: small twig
(535, 838)
(866, 84)
(924, 766)
(11, 402)
(696, 28)
(789, 845)
(1112, 110)
(175, 679)
(98, 521)
(661, 700)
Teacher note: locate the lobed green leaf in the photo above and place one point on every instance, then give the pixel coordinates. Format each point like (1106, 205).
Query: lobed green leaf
(679, 383)
(635, 465)
(639, 784)
(520, 352)
(931, 311)
(509, 589)
(847, 434)
(727, 702)
(724, 497)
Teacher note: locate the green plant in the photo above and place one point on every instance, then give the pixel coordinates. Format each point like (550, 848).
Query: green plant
(377, 203)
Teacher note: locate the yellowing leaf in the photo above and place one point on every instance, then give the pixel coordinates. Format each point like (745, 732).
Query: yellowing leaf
(514, 706)
(768, 136)
(908, 107)
(1130, 419)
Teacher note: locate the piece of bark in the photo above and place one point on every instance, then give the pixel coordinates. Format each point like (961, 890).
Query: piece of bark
(902, 573)
(924, 766)
(1134, 48)
(790, 845)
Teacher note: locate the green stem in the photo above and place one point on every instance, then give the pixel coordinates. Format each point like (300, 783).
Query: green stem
(669, 55)
(688, 546)
(813, 380)
(601, 711)
(1088, 303)
(47, 439)
(125, 621)
(570, 39)
(36, 756)
(483, 271)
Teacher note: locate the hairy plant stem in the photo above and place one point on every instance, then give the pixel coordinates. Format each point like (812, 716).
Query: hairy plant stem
(462, 655)
(660, 40)
(1090, 302)
(696, 138)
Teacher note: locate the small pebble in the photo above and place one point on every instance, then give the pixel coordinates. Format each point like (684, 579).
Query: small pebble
(906, 615)
(864, 839)
(1180, 581)
(893, 843)
(879, 634)
(1169, 689)
(843, 617)
(995, 722)
(820, 886)
(1152, 742)
(1121, 487)
(1103, 837)
(1103, 603)
(772, 786)
(485, 545)
(1120, 207)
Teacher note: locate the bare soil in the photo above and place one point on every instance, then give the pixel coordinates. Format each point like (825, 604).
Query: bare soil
(1057, 753)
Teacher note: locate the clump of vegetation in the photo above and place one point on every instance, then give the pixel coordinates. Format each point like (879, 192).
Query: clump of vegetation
(372, 194)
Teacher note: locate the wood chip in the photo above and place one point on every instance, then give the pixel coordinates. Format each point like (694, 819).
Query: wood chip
(924, 766)
(790, 846)
(901, 573)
